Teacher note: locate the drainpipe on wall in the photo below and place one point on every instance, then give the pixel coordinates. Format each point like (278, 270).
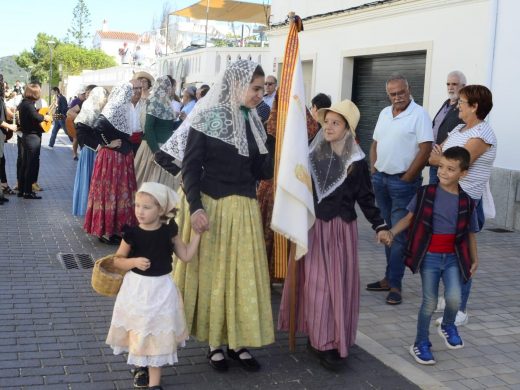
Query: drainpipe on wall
(492, 41)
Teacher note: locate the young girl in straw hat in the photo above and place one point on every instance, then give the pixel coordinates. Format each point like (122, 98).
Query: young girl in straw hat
(148, 320)
(328, 276)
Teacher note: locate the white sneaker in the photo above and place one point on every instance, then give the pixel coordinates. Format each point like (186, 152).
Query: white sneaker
(461, 319)
(441, 304)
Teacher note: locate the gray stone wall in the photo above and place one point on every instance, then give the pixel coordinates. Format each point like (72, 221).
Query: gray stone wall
(505, 187)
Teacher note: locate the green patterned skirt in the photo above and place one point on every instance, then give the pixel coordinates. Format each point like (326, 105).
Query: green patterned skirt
(225, 287)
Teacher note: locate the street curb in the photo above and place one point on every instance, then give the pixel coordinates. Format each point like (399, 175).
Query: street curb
(390, 359)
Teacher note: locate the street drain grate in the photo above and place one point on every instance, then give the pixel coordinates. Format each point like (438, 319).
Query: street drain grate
(76, 260)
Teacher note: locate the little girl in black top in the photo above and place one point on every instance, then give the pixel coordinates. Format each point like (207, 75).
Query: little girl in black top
(148, 321)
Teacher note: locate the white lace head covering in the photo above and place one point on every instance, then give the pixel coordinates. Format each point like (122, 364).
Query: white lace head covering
(159, 102)
(116, 109)
(176, 144)
(219, 114)
(92, 107)
(330, 161)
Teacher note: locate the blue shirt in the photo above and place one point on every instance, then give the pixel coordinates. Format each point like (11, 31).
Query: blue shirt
(445, 212)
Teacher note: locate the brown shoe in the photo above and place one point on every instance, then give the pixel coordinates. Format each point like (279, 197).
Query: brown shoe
(380, 285)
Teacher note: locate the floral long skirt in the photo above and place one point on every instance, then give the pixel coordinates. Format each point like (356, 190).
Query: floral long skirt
(110, 203)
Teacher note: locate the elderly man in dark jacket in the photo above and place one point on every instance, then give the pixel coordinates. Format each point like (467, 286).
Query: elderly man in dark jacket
(447, 118)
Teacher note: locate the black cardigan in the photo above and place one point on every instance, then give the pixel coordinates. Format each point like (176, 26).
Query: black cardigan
(357, 187)
(87, 136)
(29, 118)
(108, 133)
(450, 121)
(215, 168)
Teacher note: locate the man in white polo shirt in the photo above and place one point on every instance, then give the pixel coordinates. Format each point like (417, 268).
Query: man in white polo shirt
(402, 143)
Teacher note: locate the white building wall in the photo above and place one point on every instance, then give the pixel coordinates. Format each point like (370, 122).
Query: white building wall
(505, 84)
(427, 25)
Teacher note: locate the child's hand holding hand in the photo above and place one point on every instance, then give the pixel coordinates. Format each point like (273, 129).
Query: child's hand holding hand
(141, 263)
(385, 236)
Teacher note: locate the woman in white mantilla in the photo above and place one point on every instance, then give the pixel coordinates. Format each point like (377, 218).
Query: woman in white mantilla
(226, 286)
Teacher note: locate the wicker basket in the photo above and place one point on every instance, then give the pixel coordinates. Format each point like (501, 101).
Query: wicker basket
(106, 278)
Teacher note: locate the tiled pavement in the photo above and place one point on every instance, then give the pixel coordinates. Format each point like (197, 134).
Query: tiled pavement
(52, 325)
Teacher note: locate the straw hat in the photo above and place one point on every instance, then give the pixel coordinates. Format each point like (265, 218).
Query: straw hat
(346, 109)
(143, 74)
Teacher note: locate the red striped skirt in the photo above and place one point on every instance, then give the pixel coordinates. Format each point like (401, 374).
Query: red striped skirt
(327, 307)
(110, 203)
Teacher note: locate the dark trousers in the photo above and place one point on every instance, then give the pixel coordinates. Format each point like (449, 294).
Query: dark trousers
(30, 161)
(19, 157)
(3, 176)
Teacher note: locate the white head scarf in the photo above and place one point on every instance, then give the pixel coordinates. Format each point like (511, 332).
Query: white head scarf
(165, 196)
(92, 107)
(330, 161)
(219, 115)
(159, 102)
(116, 109)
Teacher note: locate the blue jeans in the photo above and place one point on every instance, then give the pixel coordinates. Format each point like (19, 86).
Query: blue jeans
(434, 267)
(58, 124)
(466, 287)
(392, 197)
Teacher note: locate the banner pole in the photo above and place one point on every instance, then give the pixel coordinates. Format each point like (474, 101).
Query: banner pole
(292, 297)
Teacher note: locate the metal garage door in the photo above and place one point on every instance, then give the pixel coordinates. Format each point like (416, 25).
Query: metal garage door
(368, 87)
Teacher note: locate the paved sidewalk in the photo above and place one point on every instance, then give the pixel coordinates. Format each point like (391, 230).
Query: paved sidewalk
(53, 326)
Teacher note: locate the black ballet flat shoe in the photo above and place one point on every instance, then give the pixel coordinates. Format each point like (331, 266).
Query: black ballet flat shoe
(8, 190)
(32, 195)
(4, 200)
(314, 351)
(20, 194)
(141, 377)
(250, 364)
(218, 365)
(331, 360)
(155, 387)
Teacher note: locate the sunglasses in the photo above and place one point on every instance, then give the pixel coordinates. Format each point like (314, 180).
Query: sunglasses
(269, 83)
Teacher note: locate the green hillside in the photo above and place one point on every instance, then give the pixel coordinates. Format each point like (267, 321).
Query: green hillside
(11, 70)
